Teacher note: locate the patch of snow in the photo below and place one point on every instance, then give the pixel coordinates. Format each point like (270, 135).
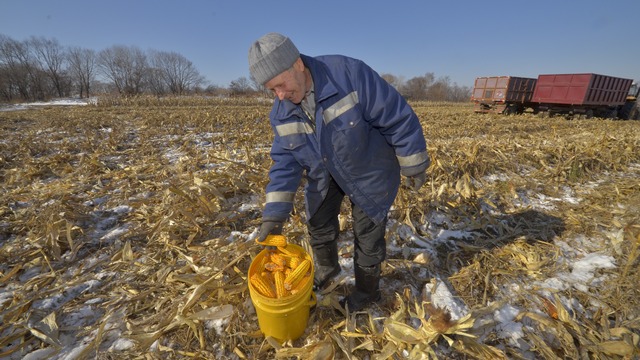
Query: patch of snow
(507, 328)
(582, 274)
(237, 235)
(441, 296)
(253, 204)
(96, 201)
(55, 301)
(217, 325)
(5, 297)
(254, 234)
(55, 102)
(496, 177)
(174, 155)
(114, 234)
(81, 317)
(41, 354)
(569, 196)
(121, 344)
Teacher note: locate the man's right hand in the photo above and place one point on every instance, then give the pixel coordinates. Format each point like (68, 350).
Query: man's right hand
(269, 228)
(415, 182)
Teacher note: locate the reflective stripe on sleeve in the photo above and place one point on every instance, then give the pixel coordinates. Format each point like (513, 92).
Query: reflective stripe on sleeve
(413, 160)
(294, 128)
(280, 196)
(340, 107)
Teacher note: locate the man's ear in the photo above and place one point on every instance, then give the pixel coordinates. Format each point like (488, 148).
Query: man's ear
(298, 65)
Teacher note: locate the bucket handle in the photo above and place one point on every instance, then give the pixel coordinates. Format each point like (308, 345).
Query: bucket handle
(313, 300)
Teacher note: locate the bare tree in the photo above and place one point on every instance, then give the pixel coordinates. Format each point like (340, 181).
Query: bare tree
(125, 66)
(460, 93)
(8, 88)
(259, 87)
(82, 66)
(176, 72)
(21, 72)
(155, 82)
(439, 90)
(416, 88)
(393, 80)
(429, 88)
(51, 58)
(240, 86)
(216, 90)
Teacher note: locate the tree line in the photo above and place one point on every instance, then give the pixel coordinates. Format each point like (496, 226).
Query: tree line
(429, 88)
(419, 88)
(40, 68)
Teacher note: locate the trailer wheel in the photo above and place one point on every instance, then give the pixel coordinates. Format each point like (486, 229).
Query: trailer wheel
(629, 111)
(588, 114)
(510, 110)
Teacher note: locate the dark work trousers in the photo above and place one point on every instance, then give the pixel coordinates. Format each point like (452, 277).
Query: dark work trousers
(369, 247)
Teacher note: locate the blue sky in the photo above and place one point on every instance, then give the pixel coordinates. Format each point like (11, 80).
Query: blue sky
(458, 39)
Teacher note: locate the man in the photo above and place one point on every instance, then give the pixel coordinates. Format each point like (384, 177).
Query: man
(345, 129)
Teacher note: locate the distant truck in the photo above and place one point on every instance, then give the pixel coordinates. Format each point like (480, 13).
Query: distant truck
(585, 95)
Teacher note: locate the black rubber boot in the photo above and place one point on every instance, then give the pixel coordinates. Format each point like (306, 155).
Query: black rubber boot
(327, 265)
(367, 289)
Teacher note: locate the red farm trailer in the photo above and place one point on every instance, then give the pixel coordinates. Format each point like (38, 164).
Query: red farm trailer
(584, 94)
(502, 94)
(588, 94)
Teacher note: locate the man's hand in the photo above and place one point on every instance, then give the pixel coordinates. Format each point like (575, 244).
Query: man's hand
(269, 227)
(415, 182)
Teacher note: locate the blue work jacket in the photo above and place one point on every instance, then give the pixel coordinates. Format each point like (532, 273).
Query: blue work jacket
(364, 136)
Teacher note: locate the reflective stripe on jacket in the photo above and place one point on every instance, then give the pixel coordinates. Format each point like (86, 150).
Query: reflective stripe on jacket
(365, 136)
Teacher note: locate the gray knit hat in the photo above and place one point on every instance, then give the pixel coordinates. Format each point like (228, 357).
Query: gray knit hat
(270, 55)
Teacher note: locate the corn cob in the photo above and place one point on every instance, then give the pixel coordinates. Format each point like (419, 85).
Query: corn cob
(270, 266)
(263, 261)
(285, 250)
(278, 259)
(282, 271)
(274, 240)
(262, 286)
(296, 275)
(279, 280)
(300, 285)
(293, 261)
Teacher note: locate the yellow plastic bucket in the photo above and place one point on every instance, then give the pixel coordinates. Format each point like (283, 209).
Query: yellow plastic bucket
(285, 318)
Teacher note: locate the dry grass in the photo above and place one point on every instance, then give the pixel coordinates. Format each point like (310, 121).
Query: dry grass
(129, 220)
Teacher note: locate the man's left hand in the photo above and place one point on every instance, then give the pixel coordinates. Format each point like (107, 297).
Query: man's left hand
(415, 182)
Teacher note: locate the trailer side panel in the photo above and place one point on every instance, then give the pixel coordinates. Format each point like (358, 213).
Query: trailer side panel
(581, 89)
(500, 89)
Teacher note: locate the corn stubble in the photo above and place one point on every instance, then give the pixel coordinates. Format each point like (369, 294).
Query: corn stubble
(144, 201)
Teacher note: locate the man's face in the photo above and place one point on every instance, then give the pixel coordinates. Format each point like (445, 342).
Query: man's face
(290, 84)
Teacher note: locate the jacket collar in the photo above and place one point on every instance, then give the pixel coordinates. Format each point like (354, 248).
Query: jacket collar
(323, 85)
(323, 89)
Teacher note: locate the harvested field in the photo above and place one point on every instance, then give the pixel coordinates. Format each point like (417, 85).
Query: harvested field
(126, 231)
